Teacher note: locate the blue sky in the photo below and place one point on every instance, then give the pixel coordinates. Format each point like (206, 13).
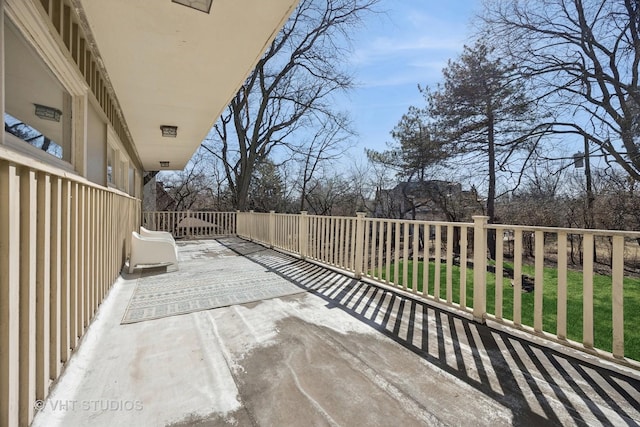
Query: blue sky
(408, 45)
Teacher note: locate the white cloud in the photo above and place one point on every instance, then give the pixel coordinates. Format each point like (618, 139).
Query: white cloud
(409, 48)
(403, 76)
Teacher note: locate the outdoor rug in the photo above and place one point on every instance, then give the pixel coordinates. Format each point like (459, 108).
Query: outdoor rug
(210, 275)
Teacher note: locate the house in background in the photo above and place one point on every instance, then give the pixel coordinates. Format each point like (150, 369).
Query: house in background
(156, 198)
(432, 200)
(95, 93)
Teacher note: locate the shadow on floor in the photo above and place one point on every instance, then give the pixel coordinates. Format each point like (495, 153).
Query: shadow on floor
(540, 385)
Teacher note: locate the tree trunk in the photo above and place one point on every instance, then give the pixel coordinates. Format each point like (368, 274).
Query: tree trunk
(242, 191)
(491, 194)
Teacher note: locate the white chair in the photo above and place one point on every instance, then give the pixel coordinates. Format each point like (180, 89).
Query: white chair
(152, 252)
(151, 233)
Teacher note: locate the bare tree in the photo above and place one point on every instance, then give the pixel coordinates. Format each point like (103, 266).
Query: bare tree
(584, 59)
(540, 198)
(325, 144)
(330, 196)
(189, 187)
(200, 185)
(290, 89)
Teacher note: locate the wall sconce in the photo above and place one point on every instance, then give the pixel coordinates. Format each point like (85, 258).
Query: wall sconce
(48, 113)
(169, 131)
(164, 164)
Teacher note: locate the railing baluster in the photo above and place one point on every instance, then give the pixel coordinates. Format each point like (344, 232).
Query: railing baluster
(75, 264)
(332, 233)
(449, 260)
(463, 266)
(336, 241)
(325, 241)
(379, 248)
(350, 243)
(562, 286)
(373, 248)
(437, 263)
(43, 283)
(538, 291)
(396, 255)
(499, 273)
(587, 284)
(426, 229)
(617, 297)
(405, 255)
(388, 254)
(317, 237)
(365, 256)
(517, 277)
(65, 278)
(416, 253)
(342, 243)
(11, 360)
(55, 274)
(359, 241)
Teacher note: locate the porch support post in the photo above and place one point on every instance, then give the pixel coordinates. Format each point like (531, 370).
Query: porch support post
(479, 267)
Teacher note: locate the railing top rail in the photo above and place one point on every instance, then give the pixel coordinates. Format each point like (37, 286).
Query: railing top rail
(595, 232)
(420, 221)
(530, 228)
(332, 216)
(191, 212)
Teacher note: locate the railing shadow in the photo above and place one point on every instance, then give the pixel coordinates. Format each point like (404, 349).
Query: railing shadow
(539, 384)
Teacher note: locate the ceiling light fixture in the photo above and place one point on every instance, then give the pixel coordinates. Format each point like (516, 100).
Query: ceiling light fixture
(48, 113)
(201, 5)
(169, 131)
(164, 164)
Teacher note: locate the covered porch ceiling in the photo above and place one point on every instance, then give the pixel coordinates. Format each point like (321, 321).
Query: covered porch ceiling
(170, 64)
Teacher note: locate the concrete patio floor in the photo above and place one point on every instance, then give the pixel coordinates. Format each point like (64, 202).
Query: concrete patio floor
(341, 353)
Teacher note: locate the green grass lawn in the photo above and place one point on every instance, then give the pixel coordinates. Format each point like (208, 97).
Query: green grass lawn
(601, 298)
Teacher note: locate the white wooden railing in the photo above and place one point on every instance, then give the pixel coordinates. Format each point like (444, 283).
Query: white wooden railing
(459, 274)
(191, 224)
(63, 242)
(379, 249)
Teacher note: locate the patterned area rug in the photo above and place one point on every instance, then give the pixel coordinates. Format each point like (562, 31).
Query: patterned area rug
(210, 276)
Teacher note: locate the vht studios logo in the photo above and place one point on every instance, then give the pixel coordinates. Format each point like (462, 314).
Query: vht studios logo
(102, 405)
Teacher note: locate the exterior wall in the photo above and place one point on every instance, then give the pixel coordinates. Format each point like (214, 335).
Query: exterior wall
(149, 196)
(57, 66)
